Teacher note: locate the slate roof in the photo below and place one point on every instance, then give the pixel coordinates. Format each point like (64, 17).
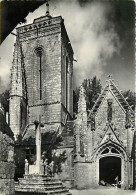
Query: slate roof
(47, 134)
(68, 134)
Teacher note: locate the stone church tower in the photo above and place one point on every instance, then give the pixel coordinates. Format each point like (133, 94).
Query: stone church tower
(42, 75)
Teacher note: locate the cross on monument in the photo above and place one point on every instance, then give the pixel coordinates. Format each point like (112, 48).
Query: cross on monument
(38, 126)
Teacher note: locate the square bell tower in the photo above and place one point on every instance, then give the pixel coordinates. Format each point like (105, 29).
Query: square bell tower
(42, 74)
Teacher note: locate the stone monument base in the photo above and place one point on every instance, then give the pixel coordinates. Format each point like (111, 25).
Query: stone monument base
(40, 184)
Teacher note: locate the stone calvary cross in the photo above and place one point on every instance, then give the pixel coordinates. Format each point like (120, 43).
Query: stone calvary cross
(36, 169)
(34, 174)
(38, 126)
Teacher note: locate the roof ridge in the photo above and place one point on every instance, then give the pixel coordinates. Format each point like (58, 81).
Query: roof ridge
(110, 85)
(104, 89)
(122, 96)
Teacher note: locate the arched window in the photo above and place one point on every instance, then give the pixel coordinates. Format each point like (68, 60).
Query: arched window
(66, 82)
(109, 110)
(114, 151)
(105, 151)
(39, 53)
(110, 150)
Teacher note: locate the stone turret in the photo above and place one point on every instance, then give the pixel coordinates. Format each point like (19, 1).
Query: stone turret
(18, 92)
(82, 114)
(81, 124)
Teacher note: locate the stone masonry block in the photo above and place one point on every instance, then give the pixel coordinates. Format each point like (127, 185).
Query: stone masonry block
(7, 187)
(7, 170)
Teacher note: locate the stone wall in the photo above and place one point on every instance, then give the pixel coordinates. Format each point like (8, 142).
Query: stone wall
(20, 156)
(118, 120)
(135, 161)
(7, 166)
(83, 175)
(66, 72)
(51, 77)
(67, 145)
(14, 110)
(53, 41)
(67, 167)
(49, 113)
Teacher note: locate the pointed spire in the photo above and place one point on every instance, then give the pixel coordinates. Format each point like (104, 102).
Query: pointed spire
(17, 80)
(82, 101)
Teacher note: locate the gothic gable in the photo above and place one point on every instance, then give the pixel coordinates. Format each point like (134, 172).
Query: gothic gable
(110, 116)
(109, 135)
(116, 94)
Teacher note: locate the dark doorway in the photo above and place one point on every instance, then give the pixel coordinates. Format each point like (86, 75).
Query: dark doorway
(109, 169)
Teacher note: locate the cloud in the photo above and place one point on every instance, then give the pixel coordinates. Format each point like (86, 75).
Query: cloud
(92, 35)
(4, 73)
(6, 58)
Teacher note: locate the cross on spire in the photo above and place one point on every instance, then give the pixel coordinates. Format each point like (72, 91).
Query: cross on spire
(109, 78)
(47, 9)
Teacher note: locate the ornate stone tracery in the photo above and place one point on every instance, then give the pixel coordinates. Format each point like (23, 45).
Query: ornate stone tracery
(114, 150)
(110, 144)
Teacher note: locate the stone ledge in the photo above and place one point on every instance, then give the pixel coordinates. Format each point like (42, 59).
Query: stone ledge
(46, 185)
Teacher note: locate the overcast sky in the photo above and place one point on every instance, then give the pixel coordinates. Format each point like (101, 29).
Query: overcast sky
(102, 37)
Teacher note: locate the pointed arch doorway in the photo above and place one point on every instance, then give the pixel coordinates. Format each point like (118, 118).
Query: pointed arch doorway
(110, 162)
(109, 169)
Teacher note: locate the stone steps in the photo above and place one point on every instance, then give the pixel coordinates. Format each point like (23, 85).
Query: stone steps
(39, 189)
(45, 188)
(55, 192)
(36, 185)
(34, 193)
(43, 182)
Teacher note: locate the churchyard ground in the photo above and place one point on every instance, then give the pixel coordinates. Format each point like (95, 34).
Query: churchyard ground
(103, 191)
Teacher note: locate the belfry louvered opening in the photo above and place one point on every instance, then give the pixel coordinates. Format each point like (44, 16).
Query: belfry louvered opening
(39, 53)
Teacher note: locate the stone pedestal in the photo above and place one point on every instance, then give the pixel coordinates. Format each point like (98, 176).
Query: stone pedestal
(40, 184)
(37, 181)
